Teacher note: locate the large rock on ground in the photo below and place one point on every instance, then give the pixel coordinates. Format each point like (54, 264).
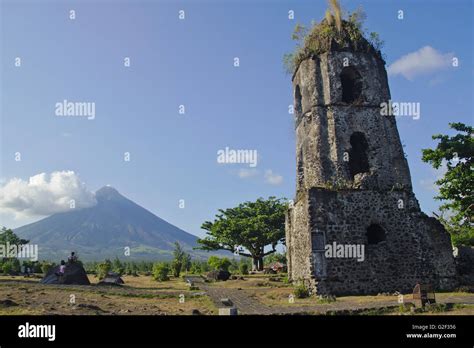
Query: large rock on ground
(74, 274)
(112, 279)
(218, 275)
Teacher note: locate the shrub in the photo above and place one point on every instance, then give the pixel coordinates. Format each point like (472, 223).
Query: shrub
(7, 267)
(104, 268)
(46, 266)
(244, 268)
(326, 299)
(301, 291)
(160, 271)
(217, 263)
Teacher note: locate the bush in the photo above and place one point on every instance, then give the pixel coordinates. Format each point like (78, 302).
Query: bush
(7, 268)
(218, 263)
(160, 271)
(301, 291)
(244, 268)
(176, 266)
(104, 268)
(46, 266)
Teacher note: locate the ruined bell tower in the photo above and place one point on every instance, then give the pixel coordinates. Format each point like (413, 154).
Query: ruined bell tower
(353, 183)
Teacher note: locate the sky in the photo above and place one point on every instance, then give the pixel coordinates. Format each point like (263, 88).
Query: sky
(172, 168)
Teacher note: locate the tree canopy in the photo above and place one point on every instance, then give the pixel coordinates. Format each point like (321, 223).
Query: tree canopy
(247, 229)
(455, 187)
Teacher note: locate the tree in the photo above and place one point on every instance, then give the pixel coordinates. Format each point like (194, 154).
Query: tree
(181, 260)
(218, 263)
(251, 225)
(160, 271)
(104, 268)
(455, 187)
(7, 236)
(117, 266)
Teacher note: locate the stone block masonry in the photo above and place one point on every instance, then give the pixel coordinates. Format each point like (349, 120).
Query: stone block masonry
(354, 186)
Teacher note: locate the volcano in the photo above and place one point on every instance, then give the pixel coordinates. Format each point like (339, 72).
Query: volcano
(105, 230)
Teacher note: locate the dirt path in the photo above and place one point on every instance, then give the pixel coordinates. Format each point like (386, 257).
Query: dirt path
(246, 304)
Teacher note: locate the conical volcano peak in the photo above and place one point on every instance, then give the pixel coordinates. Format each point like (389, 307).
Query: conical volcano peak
(107, 192)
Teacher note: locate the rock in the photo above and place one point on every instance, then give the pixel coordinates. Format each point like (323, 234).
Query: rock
(195, 312)
(112, 279)
(218, 275)
(74, 274)
(8, 303)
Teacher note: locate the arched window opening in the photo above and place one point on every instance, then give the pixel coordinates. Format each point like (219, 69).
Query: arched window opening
(351, 82)
(298, 106)
(358, 161)
(375, 234)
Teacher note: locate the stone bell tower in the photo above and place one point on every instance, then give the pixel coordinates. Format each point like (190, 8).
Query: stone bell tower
(353, 185)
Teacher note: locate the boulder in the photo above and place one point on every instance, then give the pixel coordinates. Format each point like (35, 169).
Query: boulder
(218, 275)
(112, 279)
(74, 274)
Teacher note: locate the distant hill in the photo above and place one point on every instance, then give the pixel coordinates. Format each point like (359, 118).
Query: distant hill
(105, 229)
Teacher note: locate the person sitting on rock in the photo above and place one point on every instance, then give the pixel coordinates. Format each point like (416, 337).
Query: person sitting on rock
(62, 269)
(72, 258)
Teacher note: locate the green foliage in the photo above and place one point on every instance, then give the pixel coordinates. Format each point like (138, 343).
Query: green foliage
(244, 268)
(455, 187)
(118, 267)
(195, 268)
(160, 271)
(11, 266)
(104, 268)
(46, 266)
(332, 30)
(34, 266)
(301, 291)
(276, 257)
(251, 225)
(218, 263)
(7, 236)
(181, 260)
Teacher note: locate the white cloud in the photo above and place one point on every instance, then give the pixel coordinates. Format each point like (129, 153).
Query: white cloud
(43, 194)
(247, 172)
(273, 178)
(424, 61)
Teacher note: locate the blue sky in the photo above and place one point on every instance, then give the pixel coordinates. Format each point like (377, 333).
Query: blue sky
(190, 62)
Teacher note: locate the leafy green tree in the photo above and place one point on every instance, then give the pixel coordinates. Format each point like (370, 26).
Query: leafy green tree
(181, 260)
(277, 257)
(244, 268)
(455, 187)
(160, 271)
(250, 226)
(218, 263)
(7, 236)
(11, 266)
(117, 266)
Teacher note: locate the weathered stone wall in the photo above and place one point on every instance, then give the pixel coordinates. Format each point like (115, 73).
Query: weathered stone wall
(325, 124)
(335, 203)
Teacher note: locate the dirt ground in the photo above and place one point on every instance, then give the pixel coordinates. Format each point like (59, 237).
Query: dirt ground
(143, 296)
(139, 296)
